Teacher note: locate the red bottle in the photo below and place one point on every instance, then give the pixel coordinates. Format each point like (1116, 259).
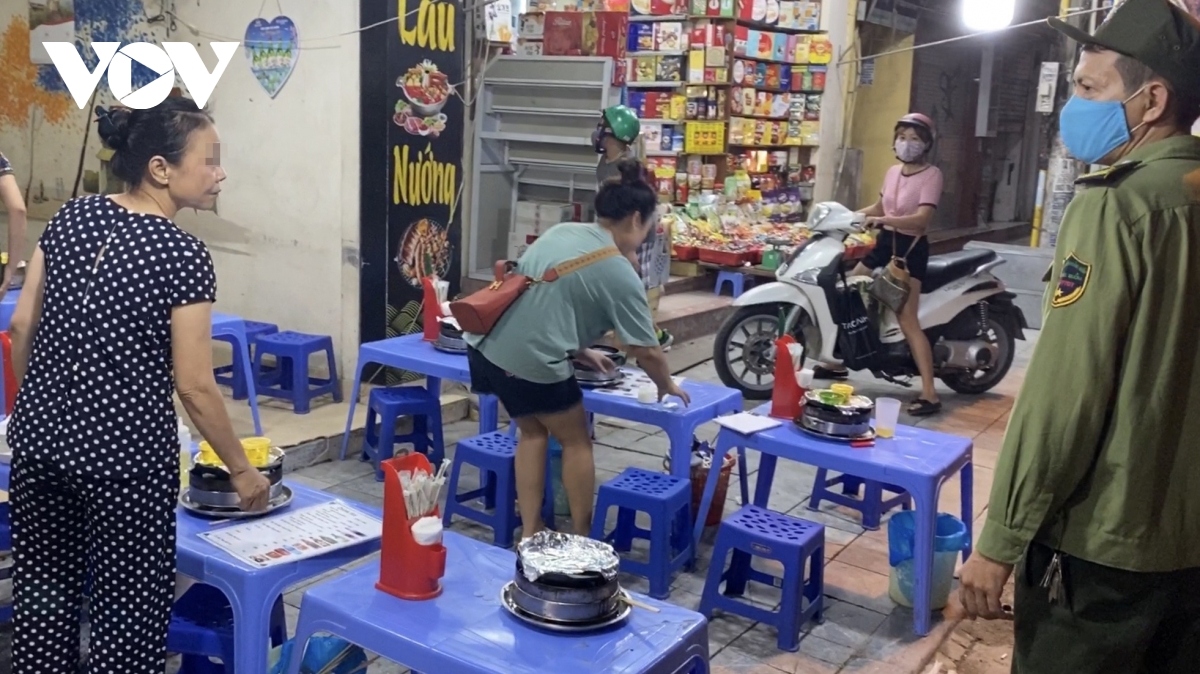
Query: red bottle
(431, 309)
(786, 394)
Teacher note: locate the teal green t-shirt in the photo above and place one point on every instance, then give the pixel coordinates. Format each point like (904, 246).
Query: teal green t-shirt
(534, 337)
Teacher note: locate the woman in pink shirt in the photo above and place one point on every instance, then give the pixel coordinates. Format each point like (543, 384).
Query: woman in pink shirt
(910, 195)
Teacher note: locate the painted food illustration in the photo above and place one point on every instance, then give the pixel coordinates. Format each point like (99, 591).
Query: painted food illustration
(424, 251)
(406, 118)
(426, 88)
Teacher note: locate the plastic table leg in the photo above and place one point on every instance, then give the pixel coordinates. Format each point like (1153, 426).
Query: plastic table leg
(967, 482)
(242, 347)
(355, 391)
(926, 516)
(680, 438)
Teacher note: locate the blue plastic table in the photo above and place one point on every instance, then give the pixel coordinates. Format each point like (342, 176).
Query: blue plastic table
(413, 353)
(234, 328)
(917, 460)
(7, 306)
(466, 631)
(250, 590)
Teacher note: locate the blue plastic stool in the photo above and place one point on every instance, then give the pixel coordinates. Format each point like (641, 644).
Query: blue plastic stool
(757, 532)
(202, 628)
(232, 375)
(494, 455)
(668, 501)
(872, 505)
(736, 281)
(291, 381)
(385, 406)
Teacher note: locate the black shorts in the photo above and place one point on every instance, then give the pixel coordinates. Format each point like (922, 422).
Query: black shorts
(521, 398)
(881, 254)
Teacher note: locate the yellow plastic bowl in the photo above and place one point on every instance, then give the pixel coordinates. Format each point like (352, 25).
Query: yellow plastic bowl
(258, 451)
(845, 390)
(208, 456)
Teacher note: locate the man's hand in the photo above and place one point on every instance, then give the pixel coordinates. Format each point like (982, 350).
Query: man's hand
(253, 488)
(596, 360)
(983, 582)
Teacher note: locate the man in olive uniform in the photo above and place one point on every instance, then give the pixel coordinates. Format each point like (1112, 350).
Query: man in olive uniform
(1096, 500)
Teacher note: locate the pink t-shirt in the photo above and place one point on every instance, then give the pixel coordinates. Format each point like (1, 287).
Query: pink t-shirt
(903, 195)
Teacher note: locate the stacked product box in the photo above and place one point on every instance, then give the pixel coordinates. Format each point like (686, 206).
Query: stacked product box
(534, 218)
(785, 14)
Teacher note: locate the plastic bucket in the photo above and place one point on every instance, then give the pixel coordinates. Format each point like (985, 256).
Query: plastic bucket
(950, 538)
(699, 477)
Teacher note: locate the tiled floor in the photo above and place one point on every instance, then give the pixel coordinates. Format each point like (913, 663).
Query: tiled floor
(864, 631)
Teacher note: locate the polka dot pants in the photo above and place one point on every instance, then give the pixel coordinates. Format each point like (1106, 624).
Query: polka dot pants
(119, 535)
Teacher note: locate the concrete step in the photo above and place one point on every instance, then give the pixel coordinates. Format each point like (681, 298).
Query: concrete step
(693, 314)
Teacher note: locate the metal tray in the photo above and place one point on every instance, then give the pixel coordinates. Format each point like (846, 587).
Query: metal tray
(284, 499)
(623, 610)
(869, 435)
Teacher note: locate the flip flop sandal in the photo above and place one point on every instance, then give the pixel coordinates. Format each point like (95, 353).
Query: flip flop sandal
(923, 408)
(823, 373)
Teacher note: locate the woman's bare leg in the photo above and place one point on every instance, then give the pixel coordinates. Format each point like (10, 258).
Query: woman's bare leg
(578, 465)
(530, 464)
(910, 324)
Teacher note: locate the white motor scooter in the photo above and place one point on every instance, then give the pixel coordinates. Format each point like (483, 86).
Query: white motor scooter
(968, 315)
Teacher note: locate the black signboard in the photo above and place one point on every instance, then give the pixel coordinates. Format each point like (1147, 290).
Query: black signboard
(412, 149)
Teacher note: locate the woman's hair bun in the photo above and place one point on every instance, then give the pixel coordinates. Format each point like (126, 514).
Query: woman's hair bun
(632, 172)
(113, 126)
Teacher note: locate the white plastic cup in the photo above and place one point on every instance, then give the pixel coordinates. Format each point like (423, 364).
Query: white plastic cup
(887, 416)
(647, 395)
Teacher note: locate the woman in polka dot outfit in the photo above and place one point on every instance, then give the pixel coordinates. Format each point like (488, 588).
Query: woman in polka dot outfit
(116, 298)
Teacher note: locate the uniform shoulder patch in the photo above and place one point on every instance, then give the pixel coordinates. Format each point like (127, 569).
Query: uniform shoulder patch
(1109, 175)
(1072, 282)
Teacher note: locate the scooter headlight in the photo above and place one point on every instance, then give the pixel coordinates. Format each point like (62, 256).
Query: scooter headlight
(809, 276)
(819, 213)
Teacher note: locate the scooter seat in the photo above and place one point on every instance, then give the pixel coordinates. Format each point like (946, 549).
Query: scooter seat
(945, 269)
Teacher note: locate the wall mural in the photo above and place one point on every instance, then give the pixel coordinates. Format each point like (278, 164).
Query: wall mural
(25, 86)
(425, 135)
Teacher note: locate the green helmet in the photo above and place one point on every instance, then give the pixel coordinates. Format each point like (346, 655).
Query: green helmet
(623, 122)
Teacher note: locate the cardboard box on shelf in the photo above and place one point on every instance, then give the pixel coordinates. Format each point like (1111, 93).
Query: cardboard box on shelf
(531, 25)
(527, 47)
(586, 34)
(540, 215)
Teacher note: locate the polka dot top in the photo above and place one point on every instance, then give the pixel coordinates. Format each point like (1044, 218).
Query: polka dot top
(97, 397)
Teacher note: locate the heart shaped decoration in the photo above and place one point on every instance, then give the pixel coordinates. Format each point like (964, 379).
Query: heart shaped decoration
(272, 47)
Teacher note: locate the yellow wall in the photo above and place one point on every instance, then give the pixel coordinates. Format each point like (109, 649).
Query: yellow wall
(877, 107)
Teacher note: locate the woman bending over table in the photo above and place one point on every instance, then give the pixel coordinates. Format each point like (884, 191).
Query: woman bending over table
(116, 296)
(525, 360)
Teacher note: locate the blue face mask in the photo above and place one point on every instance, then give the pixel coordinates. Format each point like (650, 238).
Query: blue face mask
(1092, 129)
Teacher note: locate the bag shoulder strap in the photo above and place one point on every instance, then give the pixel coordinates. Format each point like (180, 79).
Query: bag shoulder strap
(581, 262)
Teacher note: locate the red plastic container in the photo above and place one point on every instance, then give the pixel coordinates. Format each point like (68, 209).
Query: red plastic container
(786, 393)
(431, 310)
(686, 253)
(724, 258)
(407, 569)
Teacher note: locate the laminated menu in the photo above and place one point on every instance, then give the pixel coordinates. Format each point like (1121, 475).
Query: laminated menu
(296, 535)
